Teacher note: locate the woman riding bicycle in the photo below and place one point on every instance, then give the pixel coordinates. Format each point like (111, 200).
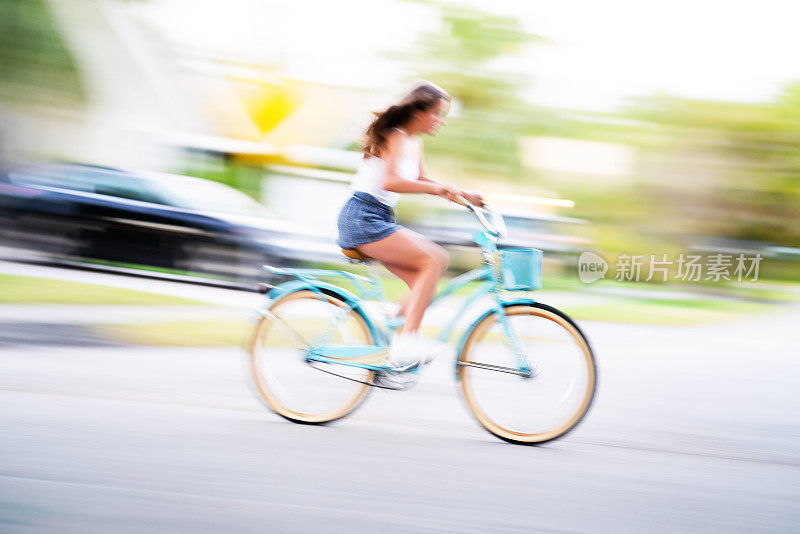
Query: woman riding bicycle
(392, 165)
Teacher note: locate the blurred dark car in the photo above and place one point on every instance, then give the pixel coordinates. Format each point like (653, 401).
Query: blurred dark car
(153, 219)
(454, 228)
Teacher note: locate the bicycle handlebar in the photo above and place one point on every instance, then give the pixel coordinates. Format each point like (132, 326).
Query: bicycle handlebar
(496, 227)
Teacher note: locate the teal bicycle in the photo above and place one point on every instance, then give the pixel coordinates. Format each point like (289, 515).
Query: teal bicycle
(526, 370)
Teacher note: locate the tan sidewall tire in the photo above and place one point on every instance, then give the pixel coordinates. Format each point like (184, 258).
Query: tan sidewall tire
(271, 400)
(510, 435)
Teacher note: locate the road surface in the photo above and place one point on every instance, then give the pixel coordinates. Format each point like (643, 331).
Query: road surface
(693, 430)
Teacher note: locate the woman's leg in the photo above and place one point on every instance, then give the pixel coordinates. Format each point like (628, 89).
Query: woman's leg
(411, 252)
(407, 275)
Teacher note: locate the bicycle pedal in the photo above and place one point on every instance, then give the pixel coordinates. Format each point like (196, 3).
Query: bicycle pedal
(411, 367)
(399, 381)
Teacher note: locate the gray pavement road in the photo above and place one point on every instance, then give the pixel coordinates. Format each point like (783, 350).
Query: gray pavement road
(693, 430)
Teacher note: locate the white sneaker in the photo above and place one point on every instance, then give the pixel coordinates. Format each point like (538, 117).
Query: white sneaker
(404, 351)
(412, 349)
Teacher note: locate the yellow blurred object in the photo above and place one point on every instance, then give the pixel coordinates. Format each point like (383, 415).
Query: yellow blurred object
(266, 104)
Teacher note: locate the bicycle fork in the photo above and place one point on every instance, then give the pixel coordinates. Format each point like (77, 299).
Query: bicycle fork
(524, 367)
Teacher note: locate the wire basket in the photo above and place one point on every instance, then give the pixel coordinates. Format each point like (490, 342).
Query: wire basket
(521, 268)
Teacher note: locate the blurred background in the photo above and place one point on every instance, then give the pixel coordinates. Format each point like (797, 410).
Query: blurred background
(586, 141)
(196, 141)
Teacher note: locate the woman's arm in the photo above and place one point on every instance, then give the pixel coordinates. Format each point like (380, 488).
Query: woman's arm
(392, 181)
(422, 173)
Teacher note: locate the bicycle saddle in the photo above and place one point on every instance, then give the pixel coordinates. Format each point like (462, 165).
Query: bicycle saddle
(353, 254)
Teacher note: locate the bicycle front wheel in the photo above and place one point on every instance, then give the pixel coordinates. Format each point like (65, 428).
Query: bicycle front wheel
(528, 410)
(286, 382)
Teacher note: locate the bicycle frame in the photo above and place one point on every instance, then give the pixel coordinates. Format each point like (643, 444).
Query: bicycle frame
(371, 288)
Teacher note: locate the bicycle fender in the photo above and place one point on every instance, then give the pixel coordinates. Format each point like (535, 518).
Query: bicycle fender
(348, 297)
(506, 304)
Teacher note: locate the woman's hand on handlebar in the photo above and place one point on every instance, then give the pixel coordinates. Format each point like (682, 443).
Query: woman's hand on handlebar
(448, 192)
(474, 198)
(454, 194)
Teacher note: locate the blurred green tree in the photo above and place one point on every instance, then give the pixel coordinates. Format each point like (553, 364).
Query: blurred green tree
(461, 56)
(35, 63)
(726, 169)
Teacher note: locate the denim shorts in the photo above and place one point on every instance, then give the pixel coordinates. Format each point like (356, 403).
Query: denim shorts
(365, 219)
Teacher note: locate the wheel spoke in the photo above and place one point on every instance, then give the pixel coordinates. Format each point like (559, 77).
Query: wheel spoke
(287, 329)
(540, 408)
(286, 381)
(491, 367)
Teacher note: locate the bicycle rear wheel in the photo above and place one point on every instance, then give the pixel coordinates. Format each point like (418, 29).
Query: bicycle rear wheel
(286, 382)
(528, 410)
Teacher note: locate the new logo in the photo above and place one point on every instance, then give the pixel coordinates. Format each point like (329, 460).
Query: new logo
(591, 267)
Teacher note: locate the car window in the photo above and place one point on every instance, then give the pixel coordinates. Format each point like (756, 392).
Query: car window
(123, 186)
(199, 194)
(57, 177)
(87, 180)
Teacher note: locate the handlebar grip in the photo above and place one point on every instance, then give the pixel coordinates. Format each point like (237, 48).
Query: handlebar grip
(461, 201)
(467, 204)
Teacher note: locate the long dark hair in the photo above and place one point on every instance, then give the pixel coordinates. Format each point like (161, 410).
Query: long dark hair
(421, 98)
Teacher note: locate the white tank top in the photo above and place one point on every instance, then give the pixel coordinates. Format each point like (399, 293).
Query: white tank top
(369, 177)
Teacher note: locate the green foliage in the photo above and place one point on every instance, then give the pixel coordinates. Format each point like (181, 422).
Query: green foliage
(246, 179)
(35, 63)
(484, 135)
(483, 142)
(217, 332)
(471, 36)
(28, 290)
(726, 169)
